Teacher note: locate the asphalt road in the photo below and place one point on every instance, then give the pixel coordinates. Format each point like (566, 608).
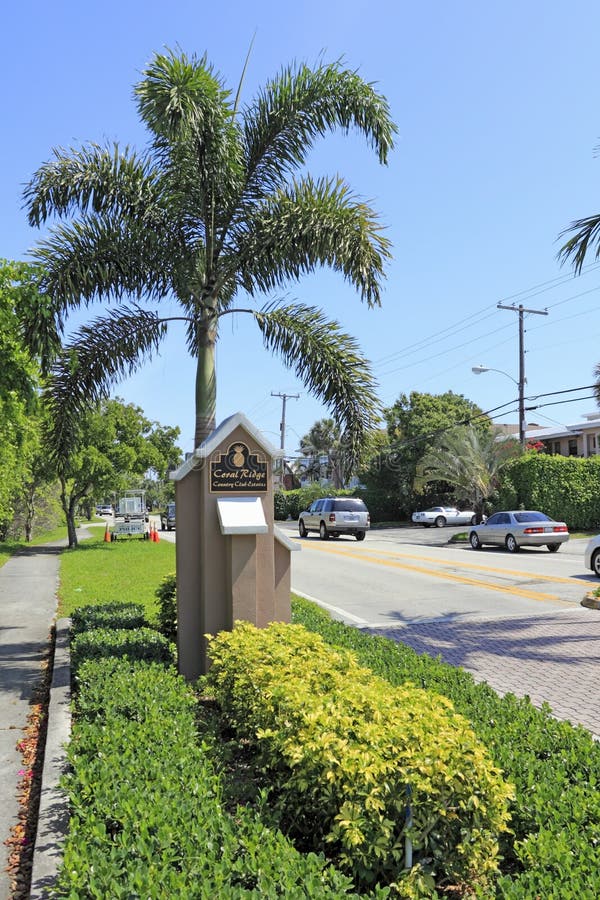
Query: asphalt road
(409, 575)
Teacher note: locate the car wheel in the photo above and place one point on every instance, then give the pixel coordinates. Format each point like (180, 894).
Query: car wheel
(440, 522)
(360, 535)
(473, 520)
(553, 548)
(323, 533)
(474, 541)
(302, 528)
(511, 544)
(596, 563)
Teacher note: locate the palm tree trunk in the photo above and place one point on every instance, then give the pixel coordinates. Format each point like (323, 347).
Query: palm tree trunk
(206, 383)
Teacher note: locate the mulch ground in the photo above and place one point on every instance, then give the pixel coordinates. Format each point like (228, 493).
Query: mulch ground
(31, 745)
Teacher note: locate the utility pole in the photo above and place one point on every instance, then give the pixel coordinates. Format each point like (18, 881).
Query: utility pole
(284, 398)
(522, 380)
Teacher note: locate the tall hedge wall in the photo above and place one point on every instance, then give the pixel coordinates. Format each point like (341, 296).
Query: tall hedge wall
(564, 487)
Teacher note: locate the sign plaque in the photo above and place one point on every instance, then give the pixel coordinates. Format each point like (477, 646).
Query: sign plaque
(238, 470)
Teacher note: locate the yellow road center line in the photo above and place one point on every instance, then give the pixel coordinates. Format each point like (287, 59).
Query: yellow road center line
(448, 576)
(474, 566)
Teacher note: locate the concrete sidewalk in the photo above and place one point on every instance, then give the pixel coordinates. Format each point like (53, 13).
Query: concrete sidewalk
(553, 658)
(28, 586)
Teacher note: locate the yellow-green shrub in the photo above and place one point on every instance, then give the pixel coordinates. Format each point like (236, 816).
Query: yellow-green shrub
(345, 752)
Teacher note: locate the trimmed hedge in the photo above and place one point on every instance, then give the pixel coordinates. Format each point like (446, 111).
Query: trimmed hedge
(554, 766)
(166, 594)
(108, 615)
(347, 757)
(140, 643)
(566, 488)
(146, 814)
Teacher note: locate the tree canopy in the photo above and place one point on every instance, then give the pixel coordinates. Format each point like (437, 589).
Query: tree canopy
(116, 446)
(219, 204)
(469, 459)
(414, 423)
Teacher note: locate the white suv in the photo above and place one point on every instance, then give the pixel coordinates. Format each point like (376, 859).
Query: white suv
(331, 516)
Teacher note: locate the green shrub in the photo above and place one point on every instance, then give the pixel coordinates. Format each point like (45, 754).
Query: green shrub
(146, 816)
(551, 851)
(346, 755)
(108, 615)
(564, 487)
(143, 643)
(166, 594)
(383, 506)
(280, 505)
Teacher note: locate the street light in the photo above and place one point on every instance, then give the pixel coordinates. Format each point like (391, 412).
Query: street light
(479, 370)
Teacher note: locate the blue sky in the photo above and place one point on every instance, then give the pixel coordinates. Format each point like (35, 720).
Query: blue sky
(497, 110)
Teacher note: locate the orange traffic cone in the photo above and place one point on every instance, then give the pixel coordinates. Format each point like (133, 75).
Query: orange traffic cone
(156, 538)
(107, 534)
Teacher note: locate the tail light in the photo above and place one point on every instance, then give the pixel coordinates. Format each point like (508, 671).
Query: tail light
(533, 530)
(368, 518)
(561, 528)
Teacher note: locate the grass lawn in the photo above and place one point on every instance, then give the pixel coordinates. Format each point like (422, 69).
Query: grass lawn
(127, 570)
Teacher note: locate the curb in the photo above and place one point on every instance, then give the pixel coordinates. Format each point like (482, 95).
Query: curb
(53, 817)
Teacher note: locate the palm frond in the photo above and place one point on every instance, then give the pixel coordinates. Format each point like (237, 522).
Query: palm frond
(298, 106)
(313, 223)
(188, 110)
(586, 237)
(101, 257)
(90, 178)
(102, 353)
(467, 459)
(329, 364)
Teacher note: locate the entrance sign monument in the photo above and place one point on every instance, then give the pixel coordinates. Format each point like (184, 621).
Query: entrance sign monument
(233, 562)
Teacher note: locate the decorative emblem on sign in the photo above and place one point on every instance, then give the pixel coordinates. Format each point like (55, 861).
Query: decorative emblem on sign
(238, 470)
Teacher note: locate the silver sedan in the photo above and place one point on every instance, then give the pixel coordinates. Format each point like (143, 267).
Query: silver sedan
(519, 528)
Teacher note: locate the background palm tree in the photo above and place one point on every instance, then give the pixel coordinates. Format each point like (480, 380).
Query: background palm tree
(325, 441)
(217, 205)
(470, 460)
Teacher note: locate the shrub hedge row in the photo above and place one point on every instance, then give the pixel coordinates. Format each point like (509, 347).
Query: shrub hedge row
(146, 814)
(564, 487)
(357, 766)
(554, 766)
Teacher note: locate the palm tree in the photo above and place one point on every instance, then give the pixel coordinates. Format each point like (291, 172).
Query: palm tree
(468, 459)
(325, 440)
(217, 205)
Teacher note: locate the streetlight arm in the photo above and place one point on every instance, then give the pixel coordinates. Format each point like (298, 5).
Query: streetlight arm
(479, 370)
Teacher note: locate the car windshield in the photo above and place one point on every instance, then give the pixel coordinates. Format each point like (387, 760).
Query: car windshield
(531, 517)
(350, 504)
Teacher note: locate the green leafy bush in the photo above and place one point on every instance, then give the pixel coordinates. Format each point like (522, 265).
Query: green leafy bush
(280, 506)
(142, 643)
(166, 594)
(108, 615)
(564, 487)
(552, 848)
(146, 814)
(347, 756)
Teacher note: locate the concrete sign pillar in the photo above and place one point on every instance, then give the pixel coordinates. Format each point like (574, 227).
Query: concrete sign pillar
(232, 560)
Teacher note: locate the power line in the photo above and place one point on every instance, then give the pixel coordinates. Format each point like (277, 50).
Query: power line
(533, 291)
